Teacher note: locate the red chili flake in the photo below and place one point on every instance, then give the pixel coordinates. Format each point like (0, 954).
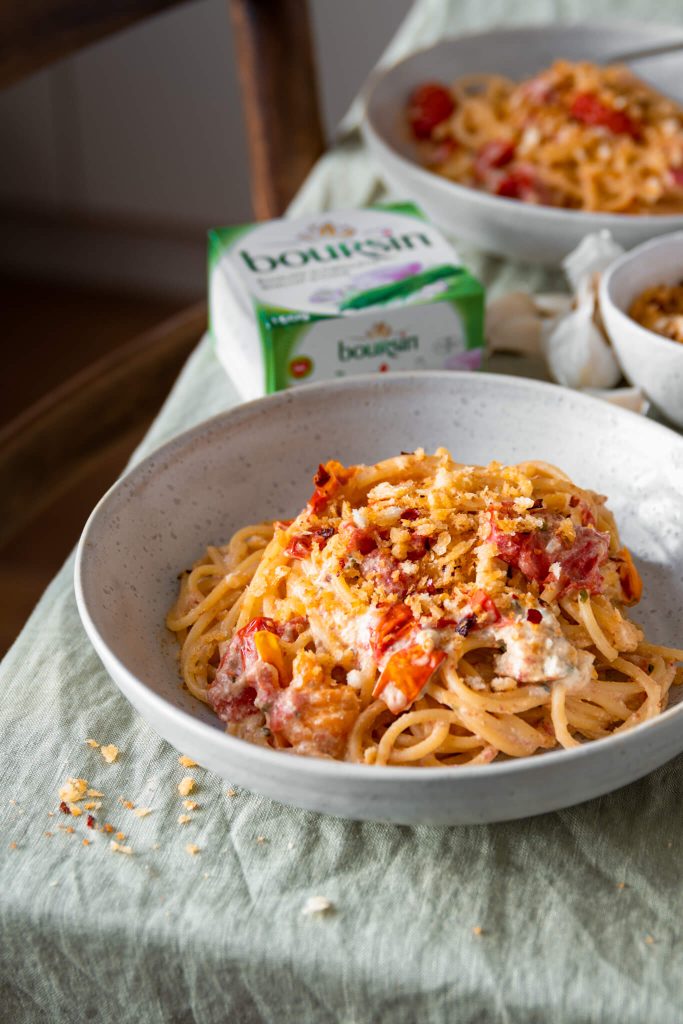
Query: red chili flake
(321, 477)
(91, 821)
(588, 108)
(64, 807)
(677, 175)
(410, 514)
(574, 501)
(429, 105)
(445, 623)
(533, 615)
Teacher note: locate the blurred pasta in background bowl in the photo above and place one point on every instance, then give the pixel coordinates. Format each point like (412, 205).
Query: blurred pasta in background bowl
(522, 141)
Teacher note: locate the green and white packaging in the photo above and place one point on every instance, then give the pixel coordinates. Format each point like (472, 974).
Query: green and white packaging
(357, 291)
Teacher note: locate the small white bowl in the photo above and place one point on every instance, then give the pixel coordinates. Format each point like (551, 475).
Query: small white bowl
(650, 361)
(256, 461)
(522, 231)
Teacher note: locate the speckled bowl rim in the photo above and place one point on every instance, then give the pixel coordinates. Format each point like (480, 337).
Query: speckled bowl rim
(592, 221)
(321, 766)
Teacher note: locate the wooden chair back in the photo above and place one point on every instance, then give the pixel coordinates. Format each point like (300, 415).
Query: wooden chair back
(53, 444)
(275, 62)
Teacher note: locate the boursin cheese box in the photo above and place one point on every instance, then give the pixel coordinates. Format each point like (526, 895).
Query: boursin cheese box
(358, 291)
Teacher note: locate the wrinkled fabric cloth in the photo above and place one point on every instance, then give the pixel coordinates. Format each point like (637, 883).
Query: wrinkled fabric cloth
(571, 917)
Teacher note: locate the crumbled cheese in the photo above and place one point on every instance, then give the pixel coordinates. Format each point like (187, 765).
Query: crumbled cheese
(73, 790)
(109, 753)
(317, 905)
(192, 849)
(186, 761)
(186, 785)
(119, 848)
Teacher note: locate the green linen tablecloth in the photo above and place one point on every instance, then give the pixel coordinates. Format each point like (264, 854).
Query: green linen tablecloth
(570, 917)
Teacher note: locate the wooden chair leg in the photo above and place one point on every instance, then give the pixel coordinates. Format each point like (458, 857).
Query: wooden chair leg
(274, 51)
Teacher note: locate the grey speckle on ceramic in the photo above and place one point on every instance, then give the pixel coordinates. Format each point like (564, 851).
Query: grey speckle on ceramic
(256, 462)
(523, 231)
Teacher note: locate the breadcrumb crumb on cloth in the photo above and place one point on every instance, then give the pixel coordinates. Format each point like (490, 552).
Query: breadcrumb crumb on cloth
(192, 849)
(186, 785)
(317, 905)
(120, 848)
(73, 790)
(109, 753)
(186, 761)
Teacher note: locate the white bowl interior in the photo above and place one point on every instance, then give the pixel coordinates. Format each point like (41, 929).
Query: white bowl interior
(257, 461)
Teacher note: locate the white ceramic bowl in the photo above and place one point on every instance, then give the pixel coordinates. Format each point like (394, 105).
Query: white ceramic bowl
(652, 362)
(257, 460)
(538, 234)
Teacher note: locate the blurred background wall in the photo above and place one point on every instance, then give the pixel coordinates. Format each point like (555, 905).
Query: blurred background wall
(115, 161)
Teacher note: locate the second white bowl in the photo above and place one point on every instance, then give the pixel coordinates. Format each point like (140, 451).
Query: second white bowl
(650, 361)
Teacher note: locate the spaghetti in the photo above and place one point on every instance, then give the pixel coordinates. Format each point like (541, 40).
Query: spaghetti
(423, 612)
(576, 136)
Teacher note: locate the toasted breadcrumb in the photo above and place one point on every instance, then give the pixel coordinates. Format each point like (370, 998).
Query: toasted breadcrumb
(184, 818)
(92, 743)
(75, 810)
(109, 753)
(142, 812)
(477, 930)
(186, 761)
(192, 849)
(120, 836)
(128, 804)
(86, 842)
(94, 792)
(186, 785)
(119, 848)
(621, 885)
(191, 805)
(317, 905)
(13, 846)
(231, 792)
(73, 790)
(261, 840)
(650, 939)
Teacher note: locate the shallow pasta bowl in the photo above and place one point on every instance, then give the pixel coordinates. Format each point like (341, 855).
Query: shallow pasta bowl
(256, 462)
(538, 234)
